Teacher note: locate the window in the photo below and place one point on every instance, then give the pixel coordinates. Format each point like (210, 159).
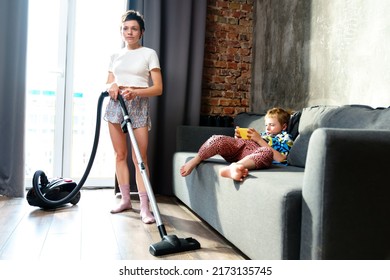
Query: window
(69, 44)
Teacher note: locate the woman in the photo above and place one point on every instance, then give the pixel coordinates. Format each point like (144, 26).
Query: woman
(129, 74)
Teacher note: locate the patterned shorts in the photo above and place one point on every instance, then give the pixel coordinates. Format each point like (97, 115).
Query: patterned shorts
(138, 109)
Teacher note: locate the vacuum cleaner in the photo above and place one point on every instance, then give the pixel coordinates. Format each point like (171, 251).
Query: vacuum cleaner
(61, 191)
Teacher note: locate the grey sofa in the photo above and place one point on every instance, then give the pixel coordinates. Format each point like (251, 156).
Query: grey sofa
(331, 202)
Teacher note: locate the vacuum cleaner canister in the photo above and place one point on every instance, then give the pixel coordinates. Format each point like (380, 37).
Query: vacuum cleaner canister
(59, 192)
(56, 189)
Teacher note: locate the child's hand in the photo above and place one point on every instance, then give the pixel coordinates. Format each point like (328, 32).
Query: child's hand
(237, 132)
(253, 135)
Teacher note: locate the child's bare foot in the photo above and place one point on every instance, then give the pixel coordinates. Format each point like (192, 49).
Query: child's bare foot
(234, 171)
(187, 168)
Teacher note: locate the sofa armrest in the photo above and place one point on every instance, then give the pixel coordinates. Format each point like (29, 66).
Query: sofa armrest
(346, 195)
(189, 138)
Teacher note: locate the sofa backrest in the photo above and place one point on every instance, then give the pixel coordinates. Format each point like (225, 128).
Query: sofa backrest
(255, 120)
(348, 116)
(303, 123)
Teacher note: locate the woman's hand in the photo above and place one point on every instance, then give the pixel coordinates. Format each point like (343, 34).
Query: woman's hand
(128, 93)
(113, 91)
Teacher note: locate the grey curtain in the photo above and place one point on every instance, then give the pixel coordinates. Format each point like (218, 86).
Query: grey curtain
(176, 30)
(13, 33)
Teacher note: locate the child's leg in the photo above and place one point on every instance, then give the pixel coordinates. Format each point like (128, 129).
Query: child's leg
(261, 158)
(237, 170)
(187, 168)
(223, 145)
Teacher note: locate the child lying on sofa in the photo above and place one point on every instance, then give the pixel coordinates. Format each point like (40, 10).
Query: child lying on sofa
(257, 151)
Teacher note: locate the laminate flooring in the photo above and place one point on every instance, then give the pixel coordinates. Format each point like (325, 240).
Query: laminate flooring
(88, 231)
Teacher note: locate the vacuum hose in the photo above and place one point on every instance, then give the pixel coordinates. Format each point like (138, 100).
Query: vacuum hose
(40, 175)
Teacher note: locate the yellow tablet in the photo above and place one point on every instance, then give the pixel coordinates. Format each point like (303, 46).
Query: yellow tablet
(243, 132)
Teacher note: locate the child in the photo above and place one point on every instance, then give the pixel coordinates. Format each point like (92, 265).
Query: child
(256, 152)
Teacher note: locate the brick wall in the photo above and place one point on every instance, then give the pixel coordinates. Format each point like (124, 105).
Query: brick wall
(228, 55)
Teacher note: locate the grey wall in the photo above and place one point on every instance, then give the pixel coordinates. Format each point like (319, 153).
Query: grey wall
(310, 52)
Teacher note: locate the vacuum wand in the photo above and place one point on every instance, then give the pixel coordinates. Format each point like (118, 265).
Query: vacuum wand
(169, 243)
(142, 167)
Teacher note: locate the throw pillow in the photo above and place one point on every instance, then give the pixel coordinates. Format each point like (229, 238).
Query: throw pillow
(311, 119)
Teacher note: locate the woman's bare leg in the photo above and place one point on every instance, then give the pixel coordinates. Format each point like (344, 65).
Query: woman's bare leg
(118, 139)
(142, 136)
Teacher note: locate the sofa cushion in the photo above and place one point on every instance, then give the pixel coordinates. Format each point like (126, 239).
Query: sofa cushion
(348, 116)
(358, 116)
(310, 120)
(294, 124)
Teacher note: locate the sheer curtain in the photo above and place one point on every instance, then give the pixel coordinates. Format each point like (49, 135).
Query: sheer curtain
(176, 30)
(13, 33)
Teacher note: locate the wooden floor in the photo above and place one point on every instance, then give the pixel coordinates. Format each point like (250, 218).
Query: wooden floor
(87, 231)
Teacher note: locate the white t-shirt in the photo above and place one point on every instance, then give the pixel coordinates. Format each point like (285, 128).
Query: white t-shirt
(132, 67)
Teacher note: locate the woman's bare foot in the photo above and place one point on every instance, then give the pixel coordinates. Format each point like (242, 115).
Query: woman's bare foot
(234, 171)
(187, 168)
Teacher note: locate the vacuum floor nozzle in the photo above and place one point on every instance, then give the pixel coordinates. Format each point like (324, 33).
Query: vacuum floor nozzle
(172, 244)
